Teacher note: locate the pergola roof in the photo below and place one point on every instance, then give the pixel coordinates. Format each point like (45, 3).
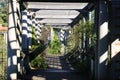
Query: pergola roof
(56, 5)
(57, 13)
(58, 0)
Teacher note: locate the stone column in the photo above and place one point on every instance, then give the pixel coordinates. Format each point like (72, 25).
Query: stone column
(40, 29)
(39, 32)
(12, 41)
(102, 41)
(30, 31)
(62, 37)
(24, 31)
(52, 34)
(25, 42)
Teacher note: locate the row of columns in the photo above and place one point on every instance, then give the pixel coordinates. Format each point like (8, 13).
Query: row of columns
(37, 27)
(14, 46)
(19, 39)
(62, 39)
(27, 24)
(63, 34)
(101, 55)
(27, 37)
(12, 69)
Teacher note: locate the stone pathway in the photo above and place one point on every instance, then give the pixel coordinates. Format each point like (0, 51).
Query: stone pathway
(57, 62)
(58, 69)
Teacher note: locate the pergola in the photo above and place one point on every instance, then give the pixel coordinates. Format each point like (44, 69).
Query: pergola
(59, 14)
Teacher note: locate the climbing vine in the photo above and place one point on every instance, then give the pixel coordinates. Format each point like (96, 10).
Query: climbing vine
(82, 28)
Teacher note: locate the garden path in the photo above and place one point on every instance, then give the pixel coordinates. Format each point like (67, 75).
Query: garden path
(58, 69)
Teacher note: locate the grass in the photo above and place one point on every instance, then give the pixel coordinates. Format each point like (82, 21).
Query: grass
(3, 58)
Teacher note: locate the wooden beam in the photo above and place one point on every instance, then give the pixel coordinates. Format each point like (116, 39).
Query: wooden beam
(57, 14)
(60, 21)
(55, 5)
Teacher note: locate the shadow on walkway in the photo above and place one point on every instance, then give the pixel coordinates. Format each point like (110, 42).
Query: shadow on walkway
(58, 69)
(58, 63)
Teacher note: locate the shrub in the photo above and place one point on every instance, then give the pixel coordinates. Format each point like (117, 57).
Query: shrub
(39, 62)
(55, 46)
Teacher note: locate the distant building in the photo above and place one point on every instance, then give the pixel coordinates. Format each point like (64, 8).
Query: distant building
(3, 31)
(3, 28)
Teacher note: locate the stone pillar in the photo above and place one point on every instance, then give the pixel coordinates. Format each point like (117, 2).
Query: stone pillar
(25, 41)
(12, 41)
(83, 41)
(30, 31)
(102, 41)
(65, 41)
(40, 29)
(52, 34)
(24, 31)
(90, 16)
(36, 30)
(89, 42)
(62, 36)
(83, 38)
(39, 32)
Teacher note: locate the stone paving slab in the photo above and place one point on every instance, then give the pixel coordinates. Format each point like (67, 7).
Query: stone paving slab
(58, 69)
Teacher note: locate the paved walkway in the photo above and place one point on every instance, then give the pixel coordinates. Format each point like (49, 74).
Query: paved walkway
(58, 69)
(57, 62)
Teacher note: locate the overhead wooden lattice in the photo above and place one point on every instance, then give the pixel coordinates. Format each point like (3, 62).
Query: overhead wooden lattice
(56, 13)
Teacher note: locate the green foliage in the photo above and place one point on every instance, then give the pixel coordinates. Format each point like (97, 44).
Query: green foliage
(4, 14)
(36, 50)
(34, 41)
(55, 45)
(85, 27)
(39, 62)
(93, 39)
(1, 20)
(36, 57)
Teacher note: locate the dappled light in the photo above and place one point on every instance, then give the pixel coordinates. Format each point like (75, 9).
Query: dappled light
(62, 40)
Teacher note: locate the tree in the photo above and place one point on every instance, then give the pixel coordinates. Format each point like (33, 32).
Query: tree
(4, 14)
